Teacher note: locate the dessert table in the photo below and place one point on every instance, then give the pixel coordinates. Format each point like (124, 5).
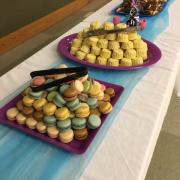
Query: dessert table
(127, 148)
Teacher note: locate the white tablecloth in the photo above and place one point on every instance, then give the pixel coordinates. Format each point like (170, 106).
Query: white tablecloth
(126, 150)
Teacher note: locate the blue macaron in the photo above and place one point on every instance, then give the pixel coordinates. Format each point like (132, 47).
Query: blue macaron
(59, 101)
(50, 121)
(36, 95)
(73, 105)
(92, 102)
(78, 123)
(64, 125)
(63, 88)
(93, 121)
(52, 88)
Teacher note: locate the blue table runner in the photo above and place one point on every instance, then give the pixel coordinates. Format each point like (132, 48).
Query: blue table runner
(25, 158)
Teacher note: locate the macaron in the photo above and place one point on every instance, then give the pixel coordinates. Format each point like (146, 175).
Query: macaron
(51, 95)
(49, 109)
(51, 76)
(66, 136)
(59, 101)
(62, 66)
(81, 134)
(106, 97)
(97, 83)
(41, 127)
(20, 105)
(95, 111)
(59, 76)
(110, 92)
(12, 113)
(78, 123)
(63, 88)
(38, 115)
(28, 101)
(78, 85)
(73, 105)
(92, 102)
(70, 94)
(103, 87)
(39, 104)
(72, 115)
(38, 81)
(101, 95)
(26, 91)
(21, 119)
(93, 121)
(82, 111)
(84, 104)
(95, 91)
(62, 113)
(84, 78)
(36, 95)
(44, 95)
(28, 111)
(105, 107)
(100, 102)
(87, 86)
(52, 132)
(50, 121)
(83, 97)
(54, 88)
(31, 123)
(64, 125)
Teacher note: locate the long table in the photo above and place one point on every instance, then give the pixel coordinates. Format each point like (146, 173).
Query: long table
(126, 150)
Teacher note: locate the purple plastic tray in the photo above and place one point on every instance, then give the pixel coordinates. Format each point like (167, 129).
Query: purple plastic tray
(154, 55)
(77, 147)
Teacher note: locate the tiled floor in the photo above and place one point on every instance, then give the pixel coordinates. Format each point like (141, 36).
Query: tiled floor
(165, 164)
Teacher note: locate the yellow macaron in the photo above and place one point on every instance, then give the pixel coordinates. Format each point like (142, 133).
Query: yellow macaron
(52, 132)
(62, 113)
(105, 107)
(38, 104)
(28, 101)
(94, 91)
(31, 123)
(78, 85)
(21, 119)
(12, 113)
(41, 127)
(82, 111)
(49, 109)
(101, 96)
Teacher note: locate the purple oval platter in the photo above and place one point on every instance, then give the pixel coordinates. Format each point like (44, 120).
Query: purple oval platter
(154, 55)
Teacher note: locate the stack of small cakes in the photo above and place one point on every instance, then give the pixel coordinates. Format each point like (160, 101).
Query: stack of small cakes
(121, 49)
(65, 112)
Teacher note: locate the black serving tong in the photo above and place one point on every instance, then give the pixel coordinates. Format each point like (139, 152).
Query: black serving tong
(77, 73)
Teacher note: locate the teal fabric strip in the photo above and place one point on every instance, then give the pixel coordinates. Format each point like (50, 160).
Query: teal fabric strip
(28, 158)
(23, 157)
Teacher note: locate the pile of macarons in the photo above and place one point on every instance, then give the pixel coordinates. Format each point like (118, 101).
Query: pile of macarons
(66, 112)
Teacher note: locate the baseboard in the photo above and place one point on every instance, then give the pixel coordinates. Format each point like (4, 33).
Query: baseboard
(21, 35)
